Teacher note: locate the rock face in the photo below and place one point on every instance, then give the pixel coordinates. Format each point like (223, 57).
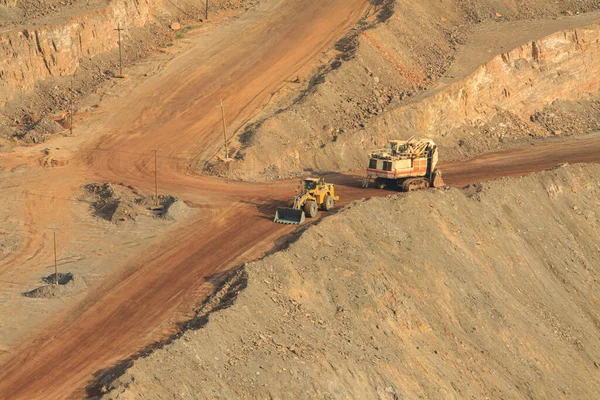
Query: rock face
(54, 46)
(394, 80)
(33, 54)
(489, 292)
(562, 66)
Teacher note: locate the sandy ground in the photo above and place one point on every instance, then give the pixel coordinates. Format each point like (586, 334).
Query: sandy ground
(154, 282)
(113, 146)
(487, 292)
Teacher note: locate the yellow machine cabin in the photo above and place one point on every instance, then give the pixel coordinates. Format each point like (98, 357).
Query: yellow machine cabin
(315, 194)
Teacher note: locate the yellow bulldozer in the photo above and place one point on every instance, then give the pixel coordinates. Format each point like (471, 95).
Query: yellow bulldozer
(315, 194)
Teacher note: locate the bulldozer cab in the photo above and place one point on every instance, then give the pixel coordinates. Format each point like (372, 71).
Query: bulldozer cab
(314, 193)
(310, 184)
(395, 146)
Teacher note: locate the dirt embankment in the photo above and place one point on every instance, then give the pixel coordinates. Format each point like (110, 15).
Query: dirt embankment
(57, 52)
(381, 78)
(39, 52)
(488, 292)
(509, 92)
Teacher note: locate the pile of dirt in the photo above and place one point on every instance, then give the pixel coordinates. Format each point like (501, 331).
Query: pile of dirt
(349, 106)
(119, 203)
(68, 285)
(492, 292)
(114, 203)
(176, 210)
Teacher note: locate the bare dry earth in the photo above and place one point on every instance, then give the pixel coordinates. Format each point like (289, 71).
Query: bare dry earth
(154, 275)
(480, 77)
(84, 357)
(488, 292)
(56, 52)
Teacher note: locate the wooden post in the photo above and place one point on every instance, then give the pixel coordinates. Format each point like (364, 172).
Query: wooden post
(222, 106)
(206, 11)
(53, 228)
(156, 150)
(120, 51)
(71, 109)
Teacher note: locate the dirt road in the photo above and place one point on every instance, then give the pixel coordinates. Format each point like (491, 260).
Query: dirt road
(147, 300)
(522, 161)
(176, 112)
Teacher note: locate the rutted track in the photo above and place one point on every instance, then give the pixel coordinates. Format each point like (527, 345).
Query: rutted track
(244, 64)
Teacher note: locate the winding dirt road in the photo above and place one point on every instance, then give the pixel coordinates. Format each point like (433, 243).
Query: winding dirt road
(244, 64)
(175, 111)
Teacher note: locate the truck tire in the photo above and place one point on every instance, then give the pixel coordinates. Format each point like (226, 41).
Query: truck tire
(310, 209)
(328, 203)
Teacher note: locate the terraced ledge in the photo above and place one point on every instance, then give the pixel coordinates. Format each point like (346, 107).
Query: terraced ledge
(562, 66)
(504, 92)
(33, 54)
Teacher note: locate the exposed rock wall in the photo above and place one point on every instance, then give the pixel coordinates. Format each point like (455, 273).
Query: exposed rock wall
(29, 55)
(54, 45)
(562, 66)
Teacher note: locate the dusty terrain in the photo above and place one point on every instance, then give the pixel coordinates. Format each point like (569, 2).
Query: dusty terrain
(160, 271)
(145, 275)
(58, 54)
(488, 292)
(473, 88)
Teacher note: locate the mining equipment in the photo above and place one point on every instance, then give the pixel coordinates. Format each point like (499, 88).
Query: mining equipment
(405, 164)
(315, 194)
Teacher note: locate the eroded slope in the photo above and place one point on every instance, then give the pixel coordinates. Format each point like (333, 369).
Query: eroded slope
(411, 74)
(492, 291)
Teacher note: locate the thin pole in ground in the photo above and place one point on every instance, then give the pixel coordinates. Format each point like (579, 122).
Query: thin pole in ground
(222, 107)
(119, 29)
(71, 109)
(155, 150)
(54, 229)
(206, 11)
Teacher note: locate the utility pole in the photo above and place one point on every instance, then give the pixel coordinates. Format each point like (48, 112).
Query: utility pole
(71, 109)
(222, 106)
(206, 12)
(119, 29)
(156, 150)
(54, 229)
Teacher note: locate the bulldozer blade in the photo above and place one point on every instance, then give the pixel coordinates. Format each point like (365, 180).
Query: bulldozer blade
(286, 215)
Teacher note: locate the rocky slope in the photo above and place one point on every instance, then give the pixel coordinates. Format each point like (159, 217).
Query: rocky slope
(45, 43)
(393, 76)
(488, 292)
